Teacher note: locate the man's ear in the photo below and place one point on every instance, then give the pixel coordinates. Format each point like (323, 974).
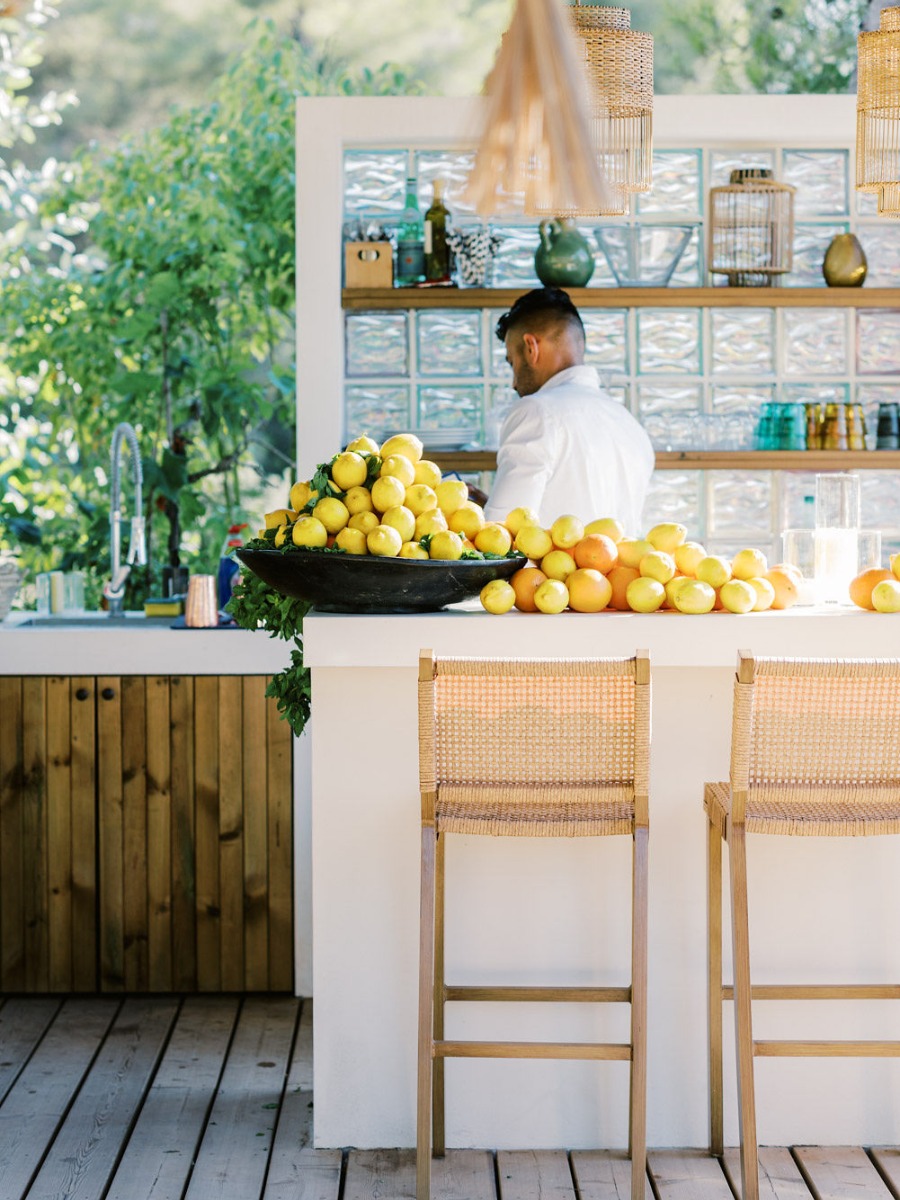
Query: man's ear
(532, 348)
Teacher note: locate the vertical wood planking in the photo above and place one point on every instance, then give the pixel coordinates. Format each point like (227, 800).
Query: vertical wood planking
(206, 781)
(12, 770)
(256, 868)
(159, 837)
(109, 817)
(279, 741)
(184, 879)
(134, 830)
(231, 833)
(34, 834)
(59, 835)
(84, 835)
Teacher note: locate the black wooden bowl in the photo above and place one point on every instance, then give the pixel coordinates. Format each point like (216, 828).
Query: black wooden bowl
(364, 583)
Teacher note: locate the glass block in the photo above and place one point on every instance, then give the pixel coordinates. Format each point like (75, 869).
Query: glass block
(879, 500)
(377, 411)
(877, 341)
(450, 407)
(662, 398)
(740, 502)
(723, 162)
(881, 244)
(617, 392)
(689, 271)
(743, 340)
(449, 342)
(453, 166)
(500, 368)
(668, 341)
(671, 415)
(674, 496)
(374, 181)
(866, 203)
(821, 180)
(500, 400)
(606, 339)
(815, 341)
(797, 499)
(514, 260)
(376, 344)
(677, 184)
(810, 244)
(809, 393)
(729, 398)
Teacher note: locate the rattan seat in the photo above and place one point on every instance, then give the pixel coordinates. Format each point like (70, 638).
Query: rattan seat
(815, 752)
(529, 748)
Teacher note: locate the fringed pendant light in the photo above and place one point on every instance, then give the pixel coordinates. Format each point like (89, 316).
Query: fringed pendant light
(537, 137)
(620, 68)
(878, 111)
(751, 228)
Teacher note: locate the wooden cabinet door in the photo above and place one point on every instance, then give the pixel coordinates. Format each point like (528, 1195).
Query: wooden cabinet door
(48, 924)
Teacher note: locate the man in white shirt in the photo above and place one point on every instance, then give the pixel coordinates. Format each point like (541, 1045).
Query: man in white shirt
(565, 446)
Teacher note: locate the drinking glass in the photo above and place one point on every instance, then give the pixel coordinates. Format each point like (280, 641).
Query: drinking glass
(799, 550)
(868, 547)
(201, 610)
(837, 501)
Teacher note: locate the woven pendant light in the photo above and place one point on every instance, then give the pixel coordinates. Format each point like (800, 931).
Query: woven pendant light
(878, 108)
(889, 200)
(620, 68)
(751, 228)
(537, 137)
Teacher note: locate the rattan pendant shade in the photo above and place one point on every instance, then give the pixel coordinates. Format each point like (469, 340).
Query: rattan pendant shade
(620, 67)
(751, 228)
(537, 136)
(878, 111)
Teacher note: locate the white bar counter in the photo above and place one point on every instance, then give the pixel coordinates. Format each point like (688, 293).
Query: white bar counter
(558, 910)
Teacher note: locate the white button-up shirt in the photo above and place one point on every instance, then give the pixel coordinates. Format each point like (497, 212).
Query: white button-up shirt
(569, 448)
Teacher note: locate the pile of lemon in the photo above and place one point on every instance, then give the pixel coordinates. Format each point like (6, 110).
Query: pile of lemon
(388, 501)
(593, 567)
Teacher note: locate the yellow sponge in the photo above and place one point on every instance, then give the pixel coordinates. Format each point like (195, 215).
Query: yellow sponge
(167, 606)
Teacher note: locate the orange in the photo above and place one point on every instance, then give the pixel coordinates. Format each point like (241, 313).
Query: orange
(597, 551)
(785, 584)
(861, 586)
(525, 583)
(589, 590)
(619, 579)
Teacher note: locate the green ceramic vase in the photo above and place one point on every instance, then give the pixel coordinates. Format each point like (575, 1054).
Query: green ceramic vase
(564, 258)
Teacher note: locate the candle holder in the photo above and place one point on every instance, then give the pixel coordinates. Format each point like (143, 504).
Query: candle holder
(836, 536)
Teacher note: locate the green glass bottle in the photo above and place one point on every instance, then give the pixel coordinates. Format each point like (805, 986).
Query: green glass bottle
(410, 240)
(437, 252)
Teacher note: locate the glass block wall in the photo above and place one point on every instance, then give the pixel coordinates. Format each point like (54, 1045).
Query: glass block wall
(695, 377)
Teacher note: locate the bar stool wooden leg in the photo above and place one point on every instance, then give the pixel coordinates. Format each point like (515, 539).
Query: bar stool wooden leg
(714, 987)
(437, 1091)
(638, 1118)
(740, 926)
(426, 1016)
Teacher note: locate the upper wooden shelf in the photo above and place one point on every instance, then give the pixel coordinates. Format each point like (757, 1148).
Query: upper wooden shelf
(712, 460)
(701, 297)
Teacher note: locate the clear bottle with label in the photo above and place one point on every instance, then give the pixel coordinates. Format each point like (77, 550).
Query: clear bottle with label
(410, 240)
(437, 252)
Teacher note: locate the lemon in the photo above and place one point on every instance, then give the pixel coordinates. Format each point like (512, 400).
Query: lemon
(365, 522)
(737, 596)
(430, 521)
(352, 540)
(412, 550)
(534, 542)
(558, 564)
(645, 595)
(387, 492)
(657, 565)
(384, 541)
(363, 445)
(446, 545)
(667, 536)
(749, 564)
(765, 594)
(309, 531)
(467, 519)
(498, 596)
(428, 473)
(402, 520)
(713, 570)
(493, 538)
(886, 596)
(451, 493)
(299, 495)
(521, 516)
(406, 444)
(398, 466)
(282, 535)
(332, 513)
(607, 525)
(358, 499)
(420, 498)
(694, 596)
(349, 470)
(552, 596)
(566, 531)
(632, 550)
(279, 516)
(687, 555)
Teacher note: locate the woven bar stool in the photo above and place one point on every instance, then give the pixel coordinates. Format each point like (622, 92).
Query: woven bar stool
(815, 752)
(590, 720)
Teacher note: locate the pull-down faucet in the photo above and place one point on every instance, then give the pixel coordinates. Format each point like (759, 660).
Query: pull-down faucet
(137, 549)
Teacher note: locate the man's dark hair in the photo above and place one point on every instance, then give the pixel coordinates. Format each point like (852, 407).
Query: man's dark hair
(539, 308)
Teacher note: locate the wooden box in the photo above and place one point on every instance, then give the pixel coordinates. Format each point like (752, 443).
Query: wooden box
(368, 265)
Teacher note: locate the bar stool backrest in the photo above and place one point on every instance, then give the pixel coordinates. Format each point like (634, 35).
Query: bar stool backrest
(816, 732)
(534, 746)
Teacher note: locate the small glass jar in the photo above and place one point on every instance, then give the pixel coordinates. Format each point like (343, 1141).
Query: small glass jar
(813, 425)
(856, 427)
(888, 429)
(834, 427)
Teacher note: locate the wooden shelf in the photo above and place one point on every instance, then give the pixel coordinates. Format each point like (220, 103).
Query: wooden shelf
(712, 460)
(702, 297)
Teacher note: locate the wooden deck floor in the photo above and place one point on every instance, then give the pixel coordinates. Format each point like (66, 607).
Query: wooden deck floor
(210, 1098)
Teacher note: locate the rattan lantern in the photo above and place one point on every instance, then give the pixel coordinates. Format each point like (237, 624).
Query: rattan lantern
(751, 228)
(620, 68)
(878, 110)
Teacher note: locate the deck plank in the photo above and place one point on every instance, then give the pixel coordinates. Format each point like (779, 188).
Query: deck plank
(836, 1172)
(288, 1172)
(85, 1151)
(164, 1141)
(35, 1105)
(464, 1175)
(372, 1174)
(687, 1175)
(779, 1175)
(234, 1153)
(887, 1160)
(604, 1175)
(534, 1175)
(22, 1025)
(306, 1174)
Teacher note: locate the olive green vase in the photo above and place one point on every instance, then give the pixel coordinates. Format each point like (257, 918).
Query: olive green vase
(564, 258)
(845, 262)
